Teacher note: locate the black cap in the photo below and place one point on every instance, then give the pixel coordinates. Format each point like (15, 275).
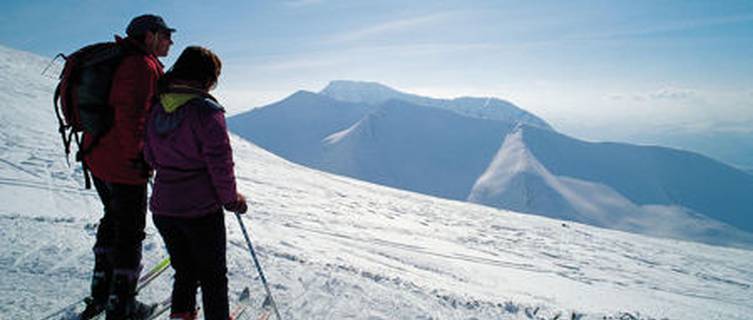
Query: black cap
(148, 22)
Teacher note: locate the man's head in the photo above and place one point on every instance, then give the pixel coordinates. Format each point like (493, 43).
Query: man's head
(153, 32)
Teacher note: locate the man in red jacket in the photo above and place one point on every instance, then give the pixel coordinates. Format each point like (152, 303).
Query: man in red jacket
(120, 175)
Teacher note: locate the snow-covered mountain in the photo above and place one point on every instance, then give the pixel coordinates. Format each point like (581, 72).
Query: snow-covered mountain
(295, 127)
(415, 143)
(650, 190)
(375, 133)
(397, 143)
(416, 148)
(337, 248)
(375, 94)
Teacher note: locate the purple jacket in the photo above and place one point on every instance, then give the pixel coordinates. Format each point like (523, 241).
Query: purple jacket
(188, 146)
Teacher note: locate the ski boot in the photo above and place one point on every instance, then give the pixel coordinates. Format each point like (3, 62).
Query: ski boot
(100, 289)
(122, 304)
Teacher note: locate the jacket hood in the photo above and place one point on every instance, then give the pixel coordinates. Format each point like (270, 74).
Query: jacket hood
(172, 101)
(169, 111)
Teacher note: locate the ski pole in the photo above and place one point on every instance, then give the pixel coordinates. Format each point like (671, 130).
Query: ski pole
(258, 266)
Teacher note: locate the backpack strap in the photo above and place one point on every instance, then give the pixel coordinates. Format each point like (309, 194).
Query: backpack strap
(83, 152)
(61, 124)
(213, 104)
(72, 136)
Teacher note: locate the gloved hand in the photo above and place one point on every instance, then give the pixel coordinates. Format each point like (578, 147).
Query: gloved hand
(237, 206)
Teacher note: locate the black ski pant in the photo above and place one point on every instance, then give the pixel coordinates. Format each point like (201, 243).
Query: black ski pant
(197, 252)
(121, 229)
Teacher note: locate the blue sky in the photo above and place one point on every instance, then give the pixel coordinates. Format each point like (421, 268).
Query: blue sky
(596, 69)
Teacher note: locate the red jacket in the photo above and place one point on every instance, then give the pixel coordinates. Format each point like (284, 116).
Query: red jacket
(115, 157)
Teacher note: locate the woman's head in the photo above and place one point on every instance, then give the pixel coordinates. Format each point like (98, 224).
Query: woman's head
(197, 67)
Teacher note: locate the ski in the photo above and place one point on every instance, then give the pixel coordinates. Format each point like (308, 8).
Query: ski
(152, 274)
(161, 308)
(265, 315)
(244, 303)
(266, 309)
(144, 280)
(238, 311)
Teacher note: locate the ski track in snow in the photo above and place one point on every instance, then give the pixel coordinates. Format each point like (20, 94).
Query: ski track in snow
(337, 248)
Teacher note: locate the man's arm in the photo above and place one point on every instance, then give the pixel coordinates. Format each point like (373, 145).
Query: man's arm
(131, 95)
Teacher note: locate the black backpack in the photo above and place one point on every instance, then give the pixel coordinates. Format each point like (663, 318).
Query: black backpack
(82, 96)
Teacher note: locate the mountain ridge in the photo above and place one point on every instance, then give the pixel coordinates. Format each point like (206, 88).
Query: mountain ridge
(518, 179)
(657, 175)
(374, 93)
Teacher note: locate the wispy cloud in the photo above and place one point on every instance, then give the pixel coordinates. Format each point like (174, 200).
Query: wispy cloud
(637, 97)
(664, 93)
(641, 31)
(302, 3)
(744, 126)
(393, 26)
(672, 93)
(355, 56)
(293, 63)
(671, 26)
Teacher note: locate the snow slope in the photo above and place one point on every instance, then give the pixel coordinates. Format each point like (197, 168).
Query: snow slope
(338, 248)
(588, 184)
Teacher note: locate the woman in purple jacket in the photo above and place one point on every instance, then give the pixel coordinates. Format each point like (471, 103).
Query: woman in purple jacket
(187, 144)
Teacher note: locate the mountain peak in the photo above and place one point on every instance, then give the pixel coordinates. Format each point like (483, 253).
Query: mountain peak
(373, 93)
(360, 91)
(335, 85)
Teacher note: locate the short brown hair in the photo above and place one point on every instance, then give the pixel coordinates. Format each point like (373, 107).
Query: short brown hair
(196, 66)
